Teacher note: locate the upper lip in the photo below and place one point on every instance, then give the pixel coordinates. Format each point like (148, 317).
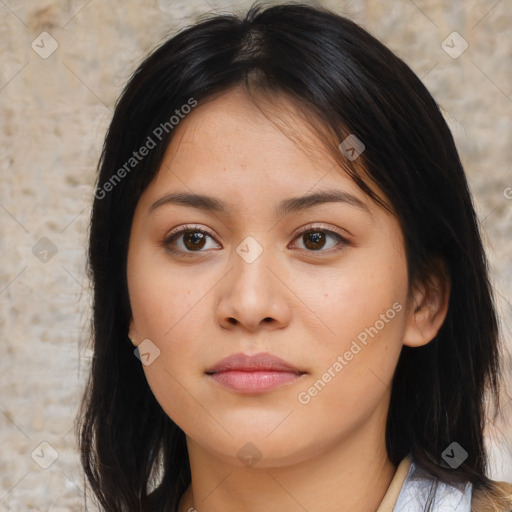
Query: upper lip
(262, 361)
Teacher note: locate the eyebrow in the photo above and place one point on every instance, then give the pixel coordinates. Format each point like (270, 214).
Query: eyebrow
(291, 204)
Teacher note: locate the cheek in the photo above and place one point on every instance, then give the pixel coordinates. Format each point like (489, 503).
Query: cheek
(163, 298)
(366, 294)
(354, 372)
(168, 308)
(173, 318)
(167, 313)
(365, 310)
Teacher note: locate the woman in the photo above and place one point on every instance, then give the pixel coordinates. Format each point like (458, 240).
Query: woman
(283, 228)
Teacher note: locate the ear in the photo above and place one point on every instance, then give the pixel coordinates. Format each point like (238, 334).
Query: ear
(428, 306)
(132, 333)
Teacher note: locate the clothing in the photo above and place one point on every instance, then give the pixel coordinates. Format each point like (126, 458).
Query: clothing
(412, 489)
(388, 502)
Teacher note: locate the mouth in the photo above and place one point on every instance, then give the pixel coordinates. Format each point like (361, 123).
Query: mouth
(254, 374)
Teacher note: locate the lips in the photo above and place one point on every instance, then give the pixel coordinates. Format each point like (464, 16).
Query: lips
(253, 374)
(245, 363)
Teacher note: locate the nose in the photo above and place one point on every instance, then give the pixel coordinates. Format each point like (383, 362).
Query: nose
(253, 295)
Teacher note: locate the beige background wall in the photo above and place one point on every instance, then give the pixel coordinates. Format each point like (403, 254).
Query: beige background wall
(54, 110)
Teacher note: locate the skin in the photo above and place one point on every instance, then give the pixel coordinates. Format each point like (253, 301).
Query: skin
(301, 304)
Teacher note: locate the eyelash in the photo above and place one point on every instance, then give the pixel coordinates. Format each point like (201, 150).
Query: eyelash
(171, 237)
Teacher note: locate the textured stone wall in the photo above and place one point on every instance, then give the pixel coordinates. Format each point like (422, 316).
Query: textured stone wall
(63, 63)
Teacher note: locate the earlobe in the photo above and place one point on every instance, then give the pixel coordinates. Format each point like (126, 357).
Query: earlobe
(428, 308)
(132, 333)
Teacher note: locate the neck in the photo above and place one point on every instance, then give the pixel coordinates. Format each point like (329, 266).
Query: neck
(351, 475)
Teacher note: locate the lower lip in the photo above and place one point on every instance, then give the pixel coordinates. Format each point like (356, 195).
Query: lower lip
(254, 381)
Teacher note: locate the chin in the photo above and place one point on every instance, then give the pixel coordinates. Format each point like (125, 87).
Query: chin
(258, 449)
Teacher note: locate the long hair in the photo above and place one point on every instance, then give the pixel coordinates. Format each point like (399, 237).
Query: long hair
(344, 82)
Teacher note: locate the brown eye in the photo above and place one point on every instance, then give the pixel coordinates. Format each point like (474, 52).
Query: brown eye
(187, 240)
(318, 240)
(314, 240)
(193, 240)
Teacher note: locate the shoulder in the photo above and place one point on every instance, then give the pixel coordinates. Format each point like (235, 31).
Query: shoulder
(496, 499)
(423, 491)
(506, 487)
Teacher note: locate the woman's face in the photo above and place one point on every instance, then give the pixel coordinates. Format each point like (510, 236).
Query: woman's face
(243, 279)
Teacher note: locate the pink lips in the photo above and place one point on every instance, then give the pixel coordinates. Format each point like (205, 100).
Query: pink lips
(253, 374)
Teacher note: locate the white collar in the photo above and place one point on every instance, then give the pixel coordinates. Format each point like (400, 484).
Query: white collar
(423, 492)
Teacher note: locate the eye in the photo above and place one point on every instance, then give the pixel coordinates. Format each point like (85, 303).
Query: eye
(315, 239)
(187, 239)
(190, 239)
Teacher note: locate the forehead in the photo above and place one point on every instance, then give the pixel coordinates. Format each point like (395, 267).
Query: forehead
(250, 165)
(232, 124)
(231, 140)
